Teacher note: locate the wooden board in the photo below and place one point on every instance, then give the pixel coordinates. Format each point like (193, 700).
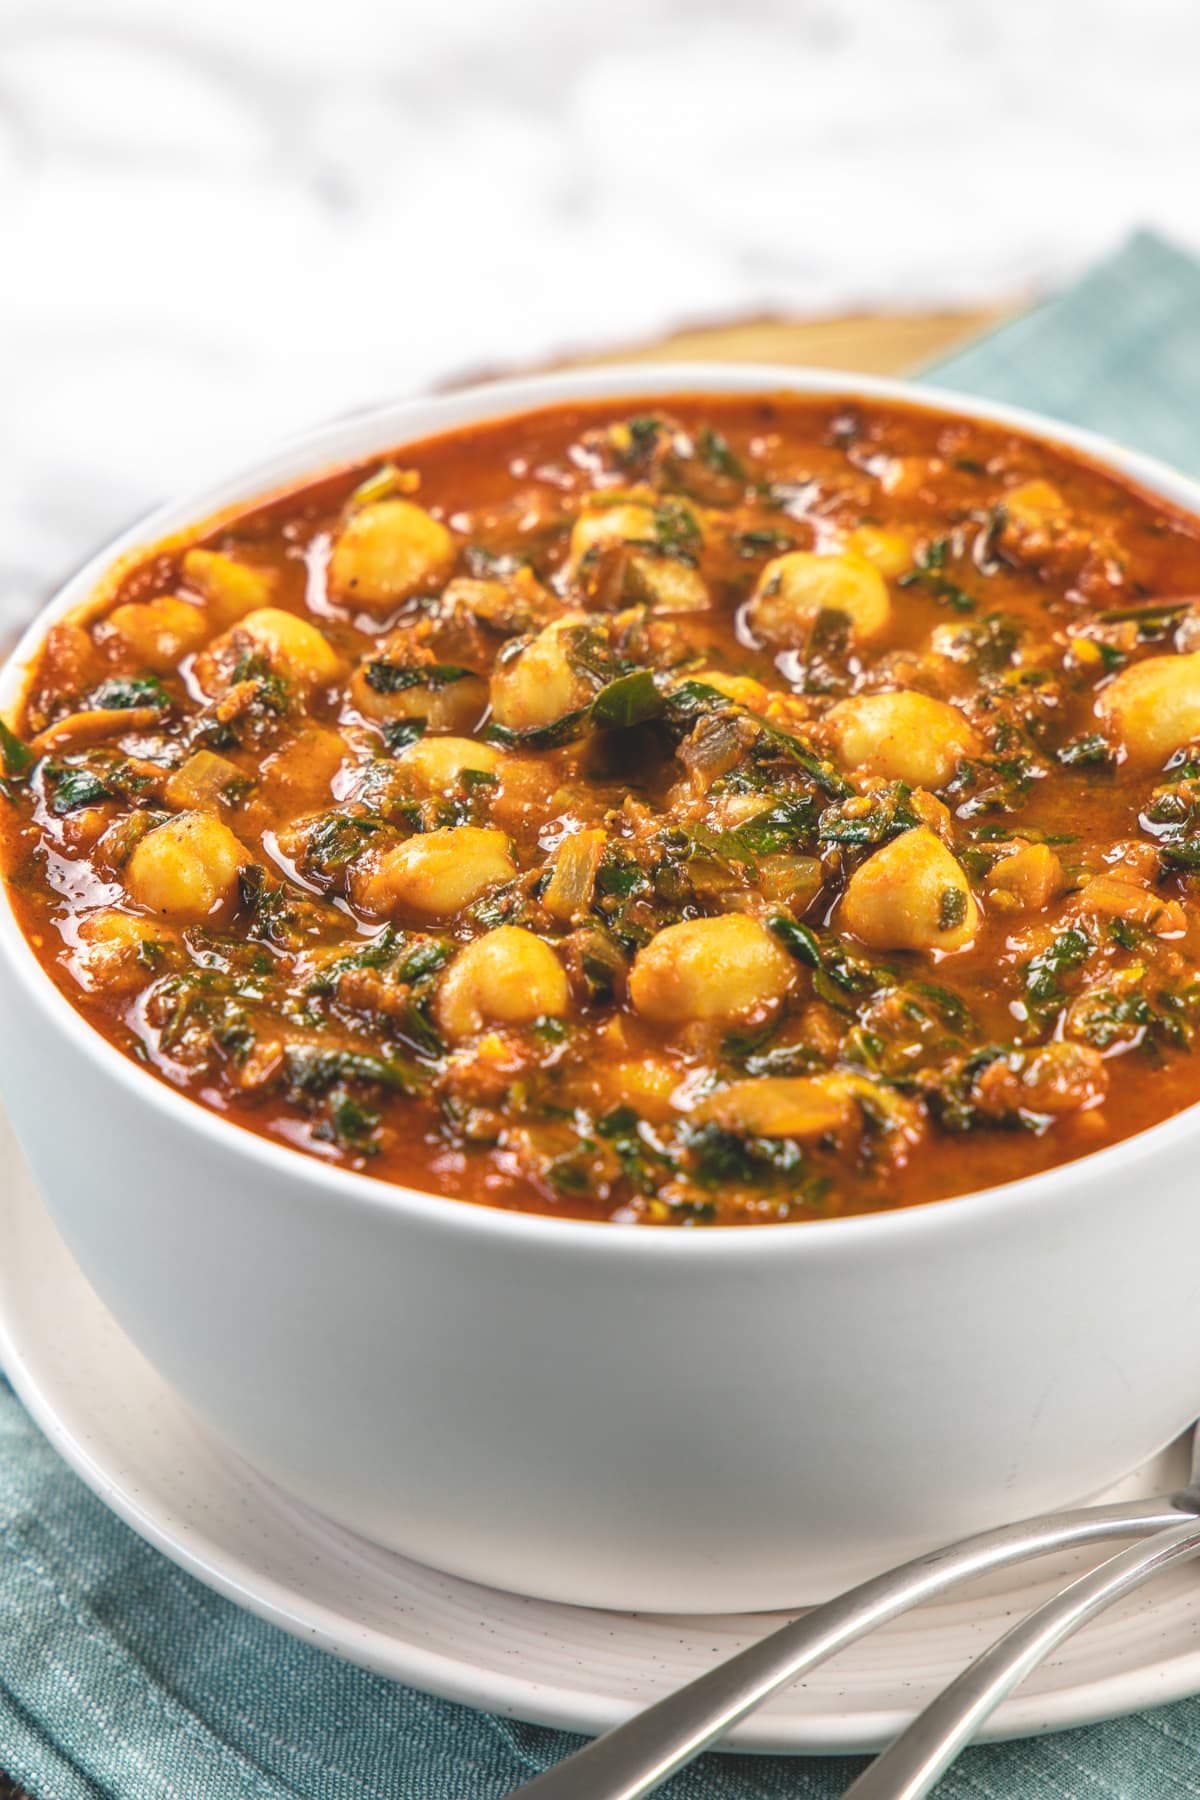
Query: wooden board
(869, 343)
(877, 344)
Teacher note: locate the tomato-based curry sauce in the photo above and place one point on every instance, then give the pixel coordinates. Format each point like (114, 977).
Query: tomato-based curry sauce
(713, 810)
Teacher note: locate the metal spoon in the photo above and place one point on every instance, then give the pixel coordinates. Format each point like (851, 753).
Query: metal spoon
(915, 1762)
(638, 1756)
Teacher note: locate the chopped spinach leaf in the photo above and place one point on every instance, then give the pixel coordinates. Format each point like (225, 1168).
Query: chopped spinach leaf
(561, 731)
(124, 693)
(714, 452)
(798, 938)
(645, 1167)
(629, 700)
(398, 734)
(1043, 972)
(1090, 751)
(396, 678)
(75, 787)
(719, 1158)
(16, 756)
(952, 908)
(762, 543)
(351, 1125)
(927, 573)
(313, 1069)
(675, 529)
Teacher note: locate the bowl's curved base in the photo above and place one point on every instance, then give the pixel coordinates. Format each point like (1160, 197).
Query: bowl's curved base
(139, 1447)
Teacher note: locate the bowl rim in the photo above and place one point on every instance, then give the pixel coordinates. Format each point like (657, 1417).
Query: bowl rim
(352, 437)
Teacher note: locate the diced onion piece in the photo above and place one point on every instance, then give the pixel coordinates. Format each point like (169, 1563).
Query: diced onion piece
(569, 892)
(1027, 879)
(1113, 898)
(203, 783)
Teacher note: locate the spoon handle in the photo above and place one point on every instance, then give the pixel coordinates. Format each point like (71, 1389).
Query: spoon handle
(636, 1757)
(911, 1766)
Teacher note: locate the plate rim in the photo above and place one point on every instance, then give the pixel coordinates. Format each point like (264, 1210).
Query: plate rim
(177, 1535)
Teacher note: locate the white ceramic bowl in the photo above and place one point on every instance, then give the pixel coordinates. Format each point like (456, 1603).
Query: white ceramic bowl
(623, 1417)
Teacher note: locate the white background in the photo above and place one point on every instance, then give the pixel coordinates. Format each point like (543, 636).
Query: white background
(222, 221)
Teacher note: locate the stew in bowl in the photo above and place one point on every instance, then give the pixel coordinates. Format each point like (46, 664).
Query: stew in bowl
(714, 809)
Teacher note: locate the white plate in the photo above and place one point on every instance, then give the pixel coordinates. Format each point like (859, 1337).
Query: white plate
(147, 1457)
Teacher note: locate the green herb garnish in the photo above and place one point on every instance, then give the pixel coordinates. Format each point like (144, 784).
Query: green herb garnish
(125, 693)
(17, 757)
(73, 788)
(396, 678)
(927, 572)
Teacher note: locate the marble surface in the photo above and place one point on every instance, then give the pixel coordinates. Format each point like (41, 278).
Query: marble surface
(220, 223)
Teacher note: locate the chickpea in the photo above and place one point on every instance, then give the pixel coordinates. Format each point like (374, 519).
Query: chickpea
(794, 1106)
(911, 895)
(434, 875)
(599, 526)
(709, 969)
(187, 869)
(647, 1083)
(158, 634)
(911, 477)
(794, 589)
(539, 684)
(114, 954)
(230, 588)
(901, 737)
(1035, 505)
(436, 764)
(891, 552)
(293, 646)
(445, 705)
(386, 552)
(1152, 707)
(509, 977)
(88, 828)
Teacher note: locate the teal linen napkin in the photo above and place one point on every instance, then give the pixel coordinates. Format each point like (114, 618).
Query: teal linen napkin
(121, 1678)
(1118, 352)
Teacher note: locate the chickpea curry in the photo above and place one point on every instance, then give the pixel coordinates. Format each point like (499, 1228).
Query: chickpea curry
(721, 810)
